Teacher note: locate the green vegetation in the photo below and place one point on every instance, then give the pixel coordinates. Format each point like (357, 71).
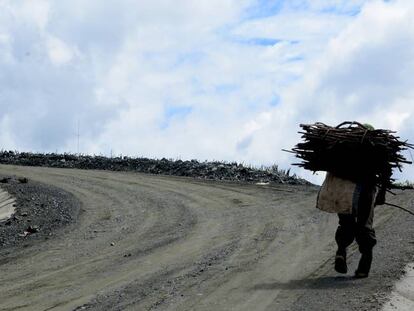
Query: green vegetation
(403, 184)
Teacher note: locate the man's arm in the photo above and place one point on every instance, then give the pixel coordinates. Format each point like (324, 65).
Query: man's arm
(380, 198)
(385, 182)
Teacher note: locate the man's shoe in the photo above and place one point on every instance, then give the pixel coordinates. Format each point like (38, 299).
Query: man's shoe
(360, 275)
(364, 266)
(340, 262)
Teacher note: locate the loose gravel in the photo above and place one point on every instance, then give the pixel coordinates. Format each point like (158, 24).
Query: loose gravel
(40, 210)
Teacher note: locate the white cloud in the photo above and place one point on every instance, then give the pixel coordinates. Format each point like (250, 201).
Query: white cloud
(35, 12)
(59, 52)
(5, 133)
(363, 74)
(200, 79)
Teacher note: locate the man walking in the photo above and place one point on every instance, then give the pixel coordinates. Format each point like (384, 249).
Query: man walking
(358, 225)
(358, 160)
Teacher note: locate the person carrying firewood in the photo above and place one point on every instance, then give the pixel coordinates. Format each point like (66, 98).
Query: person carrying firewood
(359, 161)
(358, 223)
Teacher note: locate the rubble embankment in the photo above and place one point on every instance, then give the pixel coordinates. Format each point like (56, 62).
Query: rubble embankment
(40, 209)
(214, 170)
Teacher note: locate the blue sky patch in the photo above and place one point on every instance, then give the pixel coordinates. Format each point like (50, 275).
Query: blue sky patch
(295, 59)
(255, 41)
(266, 8)
(175, 112)
(261, 41)
(189, 58)
(275, 101)
(338, 11)
(226, 88)
(263, 8)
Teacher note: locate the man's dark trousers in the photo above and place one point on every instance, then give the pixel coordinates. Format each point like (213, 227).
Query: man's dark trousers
(359, 224)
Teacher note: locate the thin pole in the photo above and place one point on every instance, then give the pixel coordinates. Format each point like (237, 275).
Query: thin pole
(402, 208)
(78, 137)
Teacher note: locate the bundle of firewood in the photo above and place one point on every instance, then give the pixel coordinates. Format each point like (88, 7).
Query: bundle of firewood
(352, 150)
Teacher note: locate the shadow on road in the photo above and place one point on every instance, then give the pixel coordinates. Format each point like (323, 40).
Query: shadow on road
(310, 283)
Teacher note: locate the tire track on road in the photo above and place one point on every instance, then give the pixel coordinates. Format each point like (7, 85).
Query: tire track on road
(178, 244)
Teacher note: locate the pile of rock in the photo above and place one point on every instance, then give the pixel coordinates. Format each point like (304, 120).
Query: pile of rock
(205, 170)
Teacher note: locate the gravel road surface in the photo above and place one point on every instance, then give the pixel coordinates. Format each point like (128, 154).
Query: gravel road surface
(146, 242)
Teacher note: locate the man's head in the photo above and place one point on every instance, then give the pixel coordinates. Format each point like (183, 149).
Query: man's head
(368, 126)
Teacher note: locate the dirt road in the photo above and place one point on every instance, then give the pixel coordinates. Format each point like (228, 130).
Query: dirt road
(146, 242)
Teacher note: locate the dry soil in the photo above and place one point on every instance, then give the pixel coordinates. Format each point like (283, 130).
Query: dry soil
(145, 242)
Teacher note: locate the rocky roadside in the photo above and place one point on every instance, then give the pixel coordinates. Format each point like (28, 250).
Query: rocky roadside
(40, 211)
(204, 170)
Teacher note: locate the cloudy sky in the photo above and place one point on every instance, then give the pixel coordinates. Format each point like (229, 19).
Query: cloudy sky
(204, 79)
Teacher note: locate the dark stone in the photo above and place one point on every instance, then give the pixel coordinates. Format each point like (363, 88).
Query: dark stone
(23, 180)
(32, 229)
(4, 180)
(204, 170)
